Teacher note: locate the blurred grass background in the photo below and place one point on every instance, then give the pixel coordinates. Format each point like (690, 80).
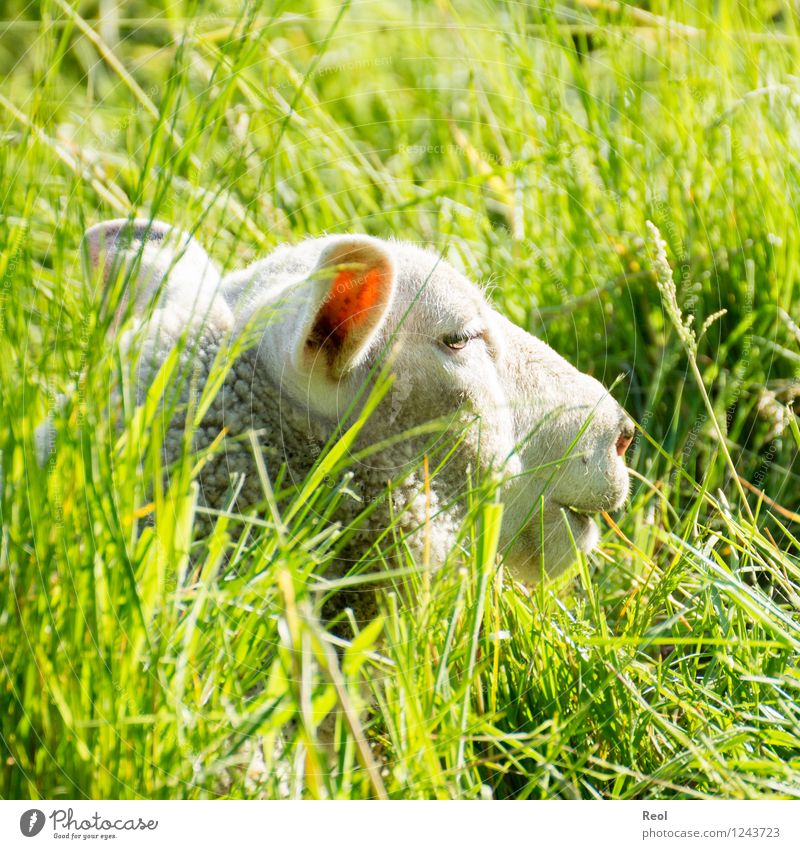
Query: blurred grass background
(531, 142)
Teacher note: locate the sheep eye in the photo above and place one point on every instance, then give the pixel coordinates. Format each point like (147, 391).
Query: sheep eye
(457, 341)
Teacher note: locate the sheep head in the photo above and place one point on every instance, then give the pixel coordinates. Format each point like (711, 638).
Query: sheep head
(328, 310)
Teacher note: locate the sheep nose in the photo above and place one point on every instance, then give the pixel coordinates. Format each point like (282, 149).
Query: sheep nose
(626, 432)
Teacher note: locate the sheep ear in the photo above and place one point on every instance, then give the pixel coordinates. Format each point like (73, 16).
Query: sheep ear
(112, 241)
(161, 257)
(356, 283)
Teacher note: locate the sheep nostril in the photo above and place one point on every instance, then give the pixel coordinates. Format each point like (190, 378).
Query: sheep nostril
(625, 437)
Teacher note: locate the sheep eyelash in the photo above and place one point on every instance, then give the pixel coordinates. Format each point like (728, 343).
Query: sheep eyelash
(458, 341)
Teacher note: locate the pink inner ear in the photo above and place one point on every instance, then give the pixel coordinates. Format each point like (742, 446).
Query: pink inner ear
(351, 297)
(347, 310)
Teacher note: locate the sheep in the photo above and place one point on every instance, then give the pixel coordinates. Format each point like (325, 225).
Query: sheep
(327, 314)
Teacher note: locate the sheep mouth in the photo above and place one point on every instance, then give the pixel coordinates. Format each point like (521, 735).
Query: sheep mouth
(581, 523)
(581, 526)
(580, 512)
(608, 503)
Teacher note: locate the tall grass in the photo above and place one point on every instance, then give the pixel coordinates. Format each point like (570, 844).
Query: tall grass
(531, 143)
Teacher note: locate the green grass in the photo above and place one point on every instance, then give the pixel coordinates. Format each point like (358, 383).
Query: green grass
(532, 143)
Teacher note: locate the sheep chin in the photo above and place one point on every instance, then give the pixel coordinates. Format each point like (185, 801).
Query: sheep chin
(584, 528)
(564, 531)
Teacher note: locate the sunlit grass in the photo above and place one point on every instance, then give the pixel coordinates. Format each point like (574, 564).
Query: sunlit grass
(151, 649)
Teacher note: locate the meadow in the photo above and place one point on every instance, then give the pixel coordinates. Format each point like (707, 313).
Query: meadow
(530, 144)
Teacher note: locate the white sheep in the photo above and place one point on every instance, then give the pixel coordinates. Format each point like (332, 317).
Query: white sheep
(327, 313)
